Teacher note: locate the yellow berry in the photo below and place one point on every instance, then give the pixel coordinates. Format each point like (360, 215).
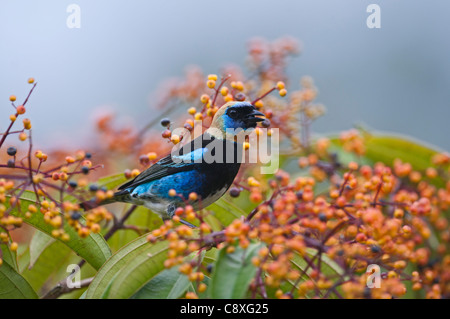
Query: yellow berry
(224, 91)
(212, 77)
(152, 156)
(283, 92)
(211, 84)
(12, 98)
(175, 139)
(259, 104)
(280, 85)
(228, 98)
(31, 80)
(239, 86)
(204, 98)
(202, 287)
(192, 110)
(13, 246)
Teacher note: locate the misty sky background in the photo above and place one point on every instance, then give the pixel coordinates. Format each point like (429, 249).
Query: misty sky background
(394, 79)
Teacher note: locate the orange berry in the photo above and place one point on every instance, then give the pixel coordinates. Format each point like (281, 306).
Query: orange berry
(23, 136)
(30, 80)
(353, 166)
(12, 98)
(172, 193)
(193, 196)
(166, 134)
(20, 109)
(70, 159)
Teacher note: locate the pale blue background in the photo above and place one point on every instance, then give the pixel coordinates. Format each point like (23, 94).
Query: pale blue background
(396, 78)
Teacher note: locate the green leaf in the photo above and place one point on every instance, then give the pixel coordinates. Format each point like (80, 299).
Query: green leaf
(129, 269)
(13, 285)
(50, 266)
(233, 273)
(38, 244)
(386, 148)
(9, 256)
(93, 248)
(168, 284)
(226, 211)
(112, 181)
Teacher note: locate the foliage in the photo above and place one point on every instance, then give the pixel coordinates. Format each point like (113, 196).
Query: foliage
(337, 205)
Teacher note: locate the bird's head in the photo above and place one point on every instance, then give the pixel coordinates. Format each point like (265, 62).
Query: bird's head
(235, 115)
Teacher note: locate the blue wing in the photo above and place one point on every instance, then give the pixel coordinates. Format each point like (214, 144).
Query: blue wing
(167, 166)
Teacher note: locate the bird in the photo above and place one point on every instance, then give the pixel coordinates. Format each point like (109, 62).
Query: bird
(206, 166)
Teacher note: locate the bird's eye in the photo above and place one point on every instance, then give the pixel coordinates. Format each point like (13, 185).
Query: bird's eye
(232, 113)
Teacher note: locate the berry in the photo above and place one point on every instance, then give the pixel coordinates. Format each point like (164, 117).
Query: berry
(93, 187)
(322, 217)
(165, 122)
(20, 109)
(85, 170)
(11, 151)
(175, 139)
(75, 215)
(211, 84)
(11, 163)
(259, 104)
(212, 77)
(235, 192)
(204, 98)
(22, 136)
(280, 85)
(166, 134)
(73, 184)
(26, 124)
(12, 98)
(265, 123)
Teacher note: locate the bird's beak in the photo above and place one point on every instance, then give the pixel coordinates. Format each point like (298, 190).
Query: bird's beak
(252, 117)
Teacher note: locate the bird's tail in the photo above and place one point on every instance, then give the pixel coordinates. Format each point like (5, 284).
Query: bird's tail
(93, 203)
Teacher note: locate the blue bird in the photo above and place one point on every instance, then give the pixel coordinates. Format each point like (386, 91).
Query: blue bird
(206, 166)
